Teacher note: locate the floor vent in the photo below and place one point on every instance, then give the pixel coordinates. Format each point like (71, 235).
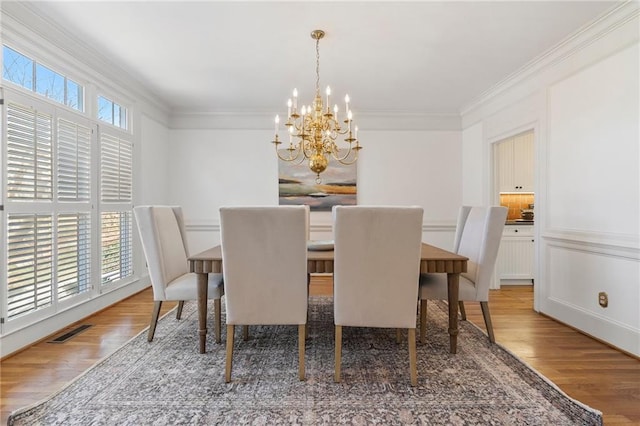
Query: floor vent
(66, 336)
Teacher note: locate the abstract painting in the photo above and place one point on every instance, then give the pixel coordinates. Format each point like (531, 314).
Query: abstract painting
(297, 185)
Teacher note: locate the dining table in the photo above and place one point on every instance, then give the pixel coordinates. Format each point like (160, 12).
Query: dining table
(432, 260)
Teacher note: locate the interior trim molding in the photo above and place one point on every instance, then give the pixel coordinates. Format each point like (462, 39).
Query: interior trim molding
(220, 120)
(606, 330)
(578, 41)
(618, 244)
(215, 227)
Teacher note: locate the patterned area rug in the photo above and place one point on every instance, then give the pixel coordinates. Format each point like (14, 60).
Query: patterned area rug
(167, 382)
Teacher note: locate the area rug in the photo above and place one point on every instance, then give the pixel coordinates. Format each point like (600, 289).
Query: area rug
(167, 382)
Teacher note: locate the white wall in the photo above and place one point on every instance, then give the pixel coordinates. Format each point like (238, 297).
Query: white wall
(212, 168)
(472, 168)
(593, 120)
(153, 162)
(215, 167)
(583, 103)
(421, 168)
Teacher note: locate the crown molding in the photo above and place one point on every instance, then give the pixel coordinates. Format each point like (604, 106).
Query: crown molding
(263, 121)
(605, 24)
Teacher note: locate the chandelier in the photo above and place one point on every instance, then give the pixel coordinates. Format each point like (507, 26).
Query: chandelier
(313, 129)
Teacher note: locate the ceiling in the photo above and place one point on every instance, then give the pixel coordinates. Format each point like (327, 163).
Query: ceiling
(431, 57)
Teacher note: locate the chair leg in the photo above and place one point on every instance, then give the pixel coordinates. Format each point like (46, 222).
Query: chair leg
(230, 332)
(398, 335)
(179, 310)
(487, 320)
(338, 343)
(413, 369)
(217, 321)
(463, 313)
(306, 326)
(306, 331)
(154, 319)
(301, 346)
(423, 321)
(245, 332)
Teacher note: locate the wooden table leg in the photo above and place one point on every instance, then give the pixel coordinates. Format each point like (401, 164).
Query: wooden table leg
(453, 288)
(203, 290)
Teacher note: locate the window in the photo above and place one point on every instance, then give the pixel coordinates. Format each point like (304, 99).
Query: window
(50, 191)
(117, 256)
(68, 193)
(49, 84)
(116, 188)
(27, 73)
(29, 154)
(30, 263)
(112, 113)
(17, 68)
(74, 254)
(74, 161)
(49, 229)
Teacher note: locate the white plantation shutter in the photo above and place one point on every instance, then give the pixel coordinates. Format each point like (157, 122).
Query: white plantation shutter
(74, 254)
(30, 263)
(29, 154)
(116, 190)
(67, 209)
(117, 246)
(74, 161)
(48, 239)
(116, 169)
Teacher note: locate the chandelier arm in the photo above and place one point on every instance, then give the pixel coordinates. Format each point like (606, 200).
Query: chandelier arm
(348, 163)
(303, 157)
(334, 154)
(341, 131)
(291, 158)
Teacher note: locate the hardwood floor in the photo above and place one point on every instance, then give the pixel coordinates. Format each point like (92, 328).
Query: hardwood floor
(584, 368)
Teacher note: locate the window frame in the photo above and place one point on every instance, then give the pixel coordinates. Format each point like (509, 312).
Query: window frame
(54, 207)
(82, 100)
(114, 102)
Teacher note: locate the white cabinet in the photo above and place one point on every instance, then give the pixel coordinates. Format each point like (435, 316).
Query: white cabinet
(515, 163)
(516, 255)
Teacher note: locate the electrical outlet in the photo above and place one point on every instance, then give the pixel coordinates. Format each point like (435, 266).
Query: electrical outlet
(603, 299)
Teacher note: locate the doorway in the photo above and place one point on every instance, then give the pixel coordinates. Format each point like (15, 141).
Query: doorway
(514, 188)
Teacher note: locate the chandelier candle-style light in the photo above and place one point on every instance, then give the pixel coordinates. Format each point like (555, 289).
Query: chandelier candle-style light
(316, 128)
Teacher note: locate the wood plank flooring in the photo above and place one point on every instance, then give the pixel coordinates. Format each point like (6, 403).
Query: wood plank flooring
(584, 368)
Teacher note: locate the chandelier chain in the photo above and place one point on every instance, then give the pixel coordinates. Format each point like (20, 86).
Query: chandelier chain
(317, 66)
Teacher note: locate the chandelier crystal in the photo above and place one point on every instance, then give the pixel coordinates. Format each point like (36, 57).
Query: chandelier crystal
(313, 129)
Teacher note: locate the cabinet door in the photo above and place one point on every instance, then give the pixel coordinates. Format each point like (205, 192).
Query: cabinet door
(504, 157)
(516, 258)
(523, 161)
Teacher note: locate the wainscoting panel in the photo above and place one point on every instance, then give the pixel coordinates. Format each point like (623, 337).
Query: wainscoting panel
(576, 273)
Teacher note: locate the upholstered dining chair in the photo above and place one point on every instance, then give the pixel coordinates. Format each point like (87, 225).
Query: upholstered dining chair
(376, 271)
(478, 235)
(264, 253)
(165, 248)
